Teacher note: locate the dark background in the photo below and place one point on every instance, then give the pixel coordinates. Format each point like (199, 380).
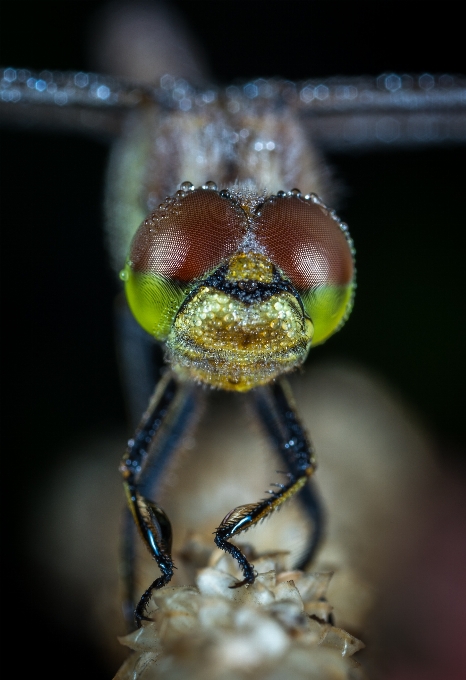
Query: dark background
(404, 208)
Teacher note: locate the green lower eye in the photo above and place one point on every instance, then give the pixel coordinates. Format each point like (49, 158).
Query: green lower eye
(328, 306)
(153, 299)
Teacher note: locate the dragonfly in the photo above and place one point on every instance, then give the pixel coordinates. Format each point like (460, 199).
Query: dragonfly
(230, 144)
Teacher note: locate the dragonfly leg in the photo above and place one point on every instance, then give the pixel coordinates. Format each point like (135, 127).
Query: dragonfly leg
(294, 446)
(161, 428)
(269, 410)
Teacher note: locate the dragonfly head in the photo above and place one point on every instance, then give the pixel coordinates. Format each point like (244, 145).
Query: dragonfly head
(239, 286)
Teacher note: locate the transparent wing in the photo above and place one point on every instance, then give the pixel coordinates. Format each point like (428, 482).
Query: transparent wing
(356, 113)
(339, 113)
(85, 102)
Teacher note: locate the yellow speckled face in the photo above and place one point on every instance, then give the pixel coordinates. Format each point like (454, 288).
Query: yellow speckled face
(239, 291)
(226, 343)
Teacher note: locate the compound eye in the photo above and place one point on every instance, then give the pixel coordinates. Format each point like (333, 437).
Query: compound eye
(183, 239)
(187, 236)
(307, 243)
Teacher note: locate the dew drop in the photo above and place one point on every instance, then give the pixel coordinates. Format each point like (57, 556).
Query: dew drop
(124, 276)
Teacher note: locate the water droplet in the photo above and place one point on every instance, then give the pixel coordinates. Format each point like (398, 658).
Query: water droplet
(210, 185)
(186, 186)
(295, 192)
(281, 194)
(124, 276)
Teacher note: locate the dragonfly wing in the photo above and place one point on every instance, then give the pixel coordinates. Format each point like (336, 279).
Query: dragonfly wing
(390, 110)
(84, 102)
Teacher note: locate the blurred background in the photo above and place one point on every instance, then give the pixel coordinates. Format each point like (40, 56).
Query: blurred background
(404, 208)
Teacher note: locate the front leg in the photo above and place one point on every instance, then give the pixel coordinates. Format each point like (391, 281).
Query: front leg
(170, 412)
(269, 410)
(294, 446)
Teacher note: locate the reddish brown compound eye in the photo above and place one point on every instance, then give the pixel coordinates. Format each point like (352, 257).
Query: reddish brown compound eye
(305, 242)
(188, 235)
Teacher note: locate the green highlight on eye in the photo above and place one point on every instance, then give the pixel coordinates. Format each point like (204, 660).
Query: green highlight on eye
(328, 307)
(153, 300)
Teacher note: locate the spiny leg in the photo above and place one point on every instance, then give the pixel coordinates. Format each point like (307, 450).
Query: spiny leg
(139, 373)
(294, 446)
(161, 428)
(267, 411)
(140, 360)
